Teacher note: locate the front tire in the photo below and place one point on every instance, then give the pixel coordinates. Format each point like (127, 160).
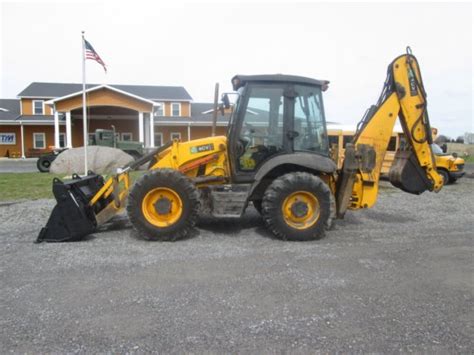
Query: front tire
(163, 205)
(445, 176)
(257, 204)
(297, 206)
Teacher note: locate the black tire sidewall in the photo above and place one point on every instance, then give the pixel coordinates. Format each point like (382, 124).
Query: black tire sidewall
(276, 194)
(40, 164)
(178, 183)
(445, 176)
(257, 204)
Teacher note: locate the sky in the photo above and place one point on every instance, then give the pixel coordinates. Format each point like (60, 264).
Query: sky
(196, 44)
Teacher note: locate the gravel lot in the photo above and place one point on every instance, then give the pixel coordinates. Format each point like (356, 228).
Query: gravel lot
(398, 277)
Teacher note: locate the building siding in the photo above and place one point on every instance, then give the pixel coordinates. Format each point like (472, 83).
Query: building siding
(27, 107)
(126, 123)
(196, 132)
(185, 108)
(103, 97)
(15, 150)
(11, 149)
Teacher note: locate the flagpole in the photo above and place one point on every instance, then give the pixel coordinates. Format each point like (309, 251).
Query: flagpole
(84, 109)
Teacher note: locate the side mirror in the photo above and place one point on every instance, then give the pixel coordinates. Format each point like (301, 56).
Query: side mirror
(455, 155)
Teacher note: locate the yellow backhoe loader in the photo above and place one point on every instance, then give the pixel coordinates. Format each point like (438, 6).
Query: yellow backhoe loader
(275, 156)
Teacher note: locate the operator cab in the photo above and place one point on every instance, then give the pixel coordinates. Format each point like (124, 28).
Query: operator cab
(274, 115)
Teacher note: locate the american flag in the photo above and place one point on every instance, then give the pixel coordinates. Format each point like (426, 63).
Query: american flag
(92, 54)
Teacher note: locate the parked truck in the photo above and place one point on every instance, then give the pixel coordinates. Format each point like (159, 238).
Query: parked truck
(101, 137)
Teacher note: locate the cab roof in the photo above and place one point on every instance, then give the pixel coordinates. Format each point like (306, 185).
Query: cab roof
(243, 79)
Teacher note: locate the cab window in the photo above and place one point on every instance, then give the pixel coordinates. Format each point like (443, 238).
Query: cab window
(346, 140)
(309, 123)
(261, 134)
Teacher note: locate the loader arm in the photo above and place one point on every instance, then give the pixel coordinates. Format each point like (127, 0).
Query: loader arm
(414, 167)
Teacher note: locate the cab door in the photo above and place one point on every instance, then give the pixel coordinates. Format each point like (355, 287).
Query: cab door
(259, 130)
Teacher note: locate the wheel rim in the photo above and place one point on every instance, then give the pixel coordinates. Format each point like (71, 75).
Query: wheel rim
(46, 163)
(301, 210)
(162, 207)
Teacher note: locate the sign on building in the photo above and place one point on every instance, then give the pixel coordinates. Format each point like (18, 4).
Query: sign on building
(8, 138)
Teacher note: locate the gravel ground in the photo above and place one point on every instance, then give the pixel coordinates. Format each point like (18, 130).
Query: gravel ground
(395, 278)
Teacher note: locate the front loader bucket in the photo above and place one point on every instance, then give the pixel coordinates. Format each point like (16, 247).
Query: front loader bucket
(407, 174)
(72, 218)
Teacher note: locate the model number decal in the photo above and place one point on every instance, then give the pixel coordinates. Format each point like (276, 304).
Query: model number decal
(202, 148)
(412, 83)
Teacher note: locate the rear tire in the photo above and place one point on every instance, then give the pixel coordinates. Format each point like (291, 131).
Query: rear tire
(297, 206)
(163, 205)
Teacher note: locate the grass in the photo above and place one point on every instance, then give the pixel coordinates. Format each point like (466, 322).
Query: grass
(469, 159)
(33, 186)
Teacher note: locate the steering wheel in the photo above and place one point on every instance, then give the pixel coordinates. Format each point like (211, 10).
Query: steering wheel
(242, 145)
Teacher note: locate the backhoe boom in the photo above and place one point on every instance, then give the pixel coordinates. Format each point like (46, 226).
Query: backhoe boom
(414, 167)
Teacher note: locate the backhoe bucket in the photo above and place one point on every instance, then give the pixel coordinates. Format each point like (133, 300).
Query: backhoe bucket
(407, 174)
(73, 217)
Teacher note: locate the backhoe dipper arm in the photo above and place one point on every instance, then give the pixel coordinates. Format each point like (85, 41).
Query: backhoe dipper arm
(414, 167)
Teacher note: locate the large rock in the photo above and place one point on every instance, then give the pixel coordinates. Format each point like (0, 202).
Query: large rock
(101, 160)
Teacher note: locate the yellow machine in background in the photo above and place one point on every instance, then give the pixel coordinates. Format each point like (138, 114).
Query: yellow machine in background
(449, 166)
(341, 135)
(276, 156)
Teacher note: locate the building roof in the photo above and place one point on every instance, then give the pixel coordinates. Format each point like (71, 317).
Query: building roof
(54, 90)
(9, 109)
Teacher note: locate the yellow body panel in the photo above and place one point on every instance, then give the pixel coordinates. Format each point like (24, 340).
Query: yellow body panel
(448, 162)
(190, 156)
(119, 185)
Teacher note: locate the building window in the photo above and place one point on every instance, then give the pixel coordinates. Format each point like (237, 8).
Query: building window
(39, 140)
(160, 110)
(158, 139)
(175, 109)
(38, 107)
(127, 136)
(62, 140)
(175, 135)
